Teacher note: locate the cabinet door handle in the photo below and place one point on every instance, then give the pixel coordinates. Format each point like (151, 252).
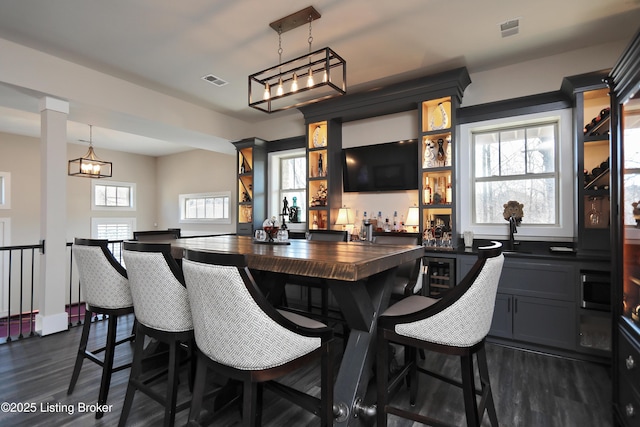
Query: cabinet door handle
(515, 305)
(509, 305)
(629, 410)
(630, 362)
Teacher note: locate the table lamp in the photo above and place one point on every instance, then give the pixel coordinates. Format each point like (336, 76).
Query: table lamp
(413, 218)
(344, 217)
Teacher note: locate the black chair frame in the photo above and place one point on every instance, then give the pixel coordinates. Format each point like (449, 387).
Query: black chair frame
(253, 381)
(106, 363)
(386, 334)
(178, 342)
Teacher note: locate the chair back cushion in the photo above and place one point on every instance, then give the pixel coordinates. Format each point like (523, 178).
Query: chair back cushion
(231, 328)
(102, 285)
(467, 320)
(160, 301)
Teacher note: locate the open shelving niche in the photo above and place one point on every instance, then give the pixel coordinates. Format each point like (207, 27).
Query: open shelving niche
(251, 185)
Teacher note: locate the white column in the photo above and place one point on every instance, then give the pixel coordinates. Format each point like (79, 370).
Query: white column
(52, 317)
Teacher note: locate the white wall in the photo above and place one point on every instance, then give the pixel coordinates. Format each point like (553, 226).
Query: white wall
(196, 171)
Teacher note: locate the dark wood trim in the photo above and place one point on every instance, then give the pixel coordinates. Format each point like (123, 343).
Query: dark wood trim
(626, 78)
(538, 103)
(584, 82)
(390, 99)
(285, 144)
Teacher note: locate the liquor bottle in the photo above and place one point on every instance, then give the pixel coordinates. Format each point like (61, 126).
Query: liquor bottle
(448, 192)
(395, 221)
(427, 192)
(387, 224)
(363, 229)
(379, 224)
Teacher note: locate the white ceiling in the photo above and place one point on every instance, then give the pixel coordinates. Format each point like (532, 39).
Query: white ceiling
(168, 45)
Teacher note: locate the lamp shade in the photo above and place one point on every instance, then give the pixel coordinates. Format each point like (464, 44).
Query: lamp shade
(413, 217)
(344, 217)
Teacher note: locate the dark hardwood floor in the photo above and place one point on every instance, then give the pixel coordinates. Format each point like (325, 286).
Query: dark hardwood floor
(531, 390)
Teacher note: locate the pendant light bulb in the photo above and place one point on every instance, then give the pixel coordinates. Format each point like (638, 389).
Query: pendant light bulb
(294, 83)
(325, 77)
(267, 92)
(310, 81)
(280, 89)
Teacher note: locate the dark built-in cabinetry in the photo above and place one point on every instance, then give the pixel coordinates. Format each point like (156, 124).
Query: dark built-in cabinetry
(538, 306)
(625, 167)
(251, 185)
(591, 109)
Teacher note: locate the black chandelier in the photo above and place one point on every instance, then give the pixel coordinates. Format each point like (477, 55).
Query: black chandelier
(89, 165)
(318, 75)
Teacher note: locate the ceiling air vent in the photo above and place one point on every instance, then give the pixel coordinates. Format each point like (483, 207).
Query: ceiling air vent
(214, 80)
(510, 28)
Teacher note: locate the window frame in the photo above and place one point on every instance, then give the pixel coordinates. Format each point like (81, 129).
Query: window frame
(274, 193)
(564, 229)
(515, 177)
(282, 192)
(132, 195)
(182, 198)
(5, 190)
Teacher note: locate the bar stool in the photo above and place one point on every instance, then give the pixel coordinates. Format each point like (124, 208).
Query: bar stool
(456, 324)
(106, 291)
(241, 336)
(162, 309)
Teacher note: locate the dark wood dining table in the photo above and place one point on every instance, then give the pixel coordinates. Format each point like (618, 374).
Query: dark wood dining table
(360, 276)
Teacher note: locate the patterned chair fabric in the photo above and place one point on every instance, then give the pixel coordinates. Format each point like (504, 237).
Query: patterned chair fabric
(466, 321)
(160, 300)
(229, 324)
(102, 285)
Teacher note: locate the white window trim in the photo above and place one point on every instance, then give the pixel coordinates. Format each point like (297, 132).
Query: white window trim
(131, 185)
(564, 230)
(95, 222)
(274, 184)
(181, 204)
(5, 202)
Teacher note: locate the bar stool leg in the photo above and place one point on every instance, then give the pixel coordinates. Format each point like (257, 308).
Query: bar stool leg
(107, 368)
(81, 350)
(172, 385)
(486, 386)
(382, 380)
(136, 370)
(198, 391)
(469, 390)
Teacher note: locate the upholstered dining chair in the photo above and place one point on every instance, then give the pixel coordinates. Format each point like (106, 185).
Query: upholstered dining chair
(408, 280)
(456, 324)
(241, 336)
(105, 287)
(162, 311)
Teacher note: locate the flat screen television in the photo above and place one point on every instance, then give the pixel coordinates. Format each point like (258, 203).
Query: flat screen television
(392, 166)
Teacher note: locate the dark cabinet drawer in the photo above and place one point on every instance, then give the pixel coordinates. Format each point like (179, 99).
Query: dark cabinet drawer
(629, 404)
(629, 359)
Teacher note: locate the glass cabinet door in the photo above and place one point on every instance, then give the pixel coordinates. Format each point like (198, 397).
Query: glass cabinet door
(630, 207)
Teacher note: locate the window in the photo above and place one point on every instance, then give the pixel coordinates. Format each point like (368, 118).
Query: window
(516, 163)
(205, 207)
(111, 195)
(5, 190)
(527, 158)
(113, 229)
(293, 183)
